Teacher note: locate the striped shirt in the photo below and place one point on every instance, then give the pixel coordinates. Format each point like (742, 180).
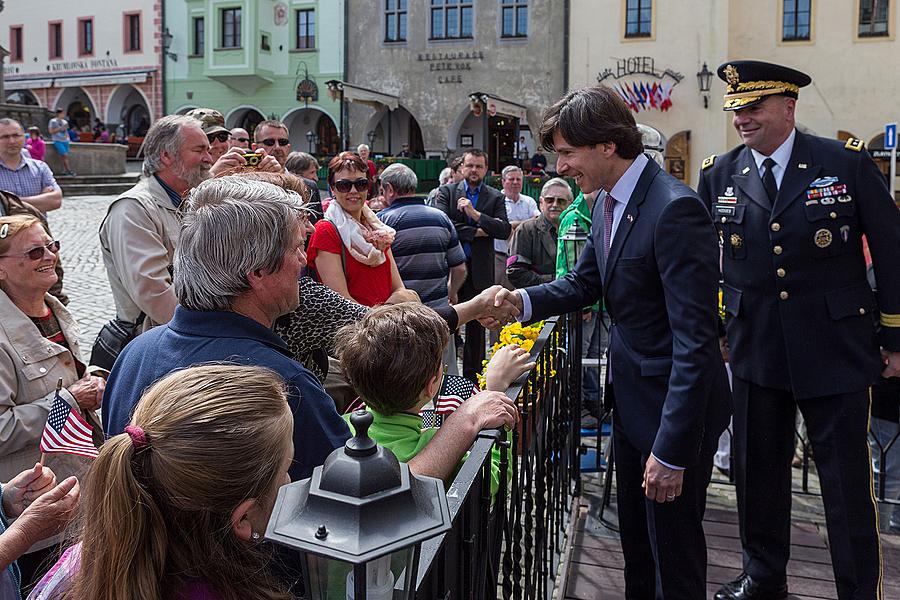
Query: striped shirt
(30, 178)
(425, 248)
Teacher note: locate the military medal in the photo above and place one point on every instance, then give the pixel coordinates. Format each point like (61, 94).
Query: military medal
(845, 198)
(736, 241)
(823, 238)
(845, 233)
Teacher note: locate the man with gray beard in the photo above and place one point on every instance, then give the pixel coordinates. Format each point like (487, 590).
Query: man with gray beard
(140, 231)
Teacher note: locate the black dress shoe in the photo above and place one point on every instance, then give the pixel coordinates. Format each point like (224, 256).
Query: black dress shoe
(744, 588)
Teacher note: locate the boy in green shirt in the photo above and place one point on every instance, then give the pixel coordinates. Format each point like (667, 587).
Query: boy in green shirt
(393, 359)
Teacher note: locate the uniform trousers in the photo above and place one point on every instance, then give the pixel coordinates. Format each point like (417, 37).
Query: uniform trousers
(837, 427)
(663, 543)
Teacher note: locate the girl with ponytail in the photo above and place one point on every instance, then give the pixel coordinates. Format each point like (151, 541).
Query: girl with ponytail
(175, 507)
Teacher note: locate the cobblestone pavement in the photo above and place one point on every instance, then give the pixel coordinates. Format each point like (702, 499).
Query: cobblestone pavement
(90, 300)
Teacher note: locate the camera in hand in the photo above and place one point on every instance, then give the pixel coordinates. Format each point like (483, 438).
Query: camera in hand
(253, 159)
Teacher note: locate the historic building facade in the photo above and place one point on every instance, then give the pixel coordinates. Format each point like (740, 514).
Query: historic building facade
(92, 59)
(653, 51)
(448, 74)
(259, 59)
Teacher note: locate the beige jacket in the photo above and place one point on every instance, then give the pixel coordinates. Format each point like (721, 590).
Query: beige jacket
(137, 238)
(30, 366)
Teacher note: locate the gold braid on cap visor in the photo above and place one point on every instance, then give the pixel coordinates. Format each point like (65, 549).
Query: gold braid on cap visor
(745, 93)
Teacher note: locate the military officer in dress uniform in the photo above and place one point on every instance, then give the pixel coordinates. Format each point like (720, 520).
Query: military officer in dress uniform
(804, 329)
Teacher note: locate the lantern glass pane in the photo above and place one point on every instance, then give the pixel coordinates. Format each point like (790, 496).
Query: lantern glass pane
(326, 577)
(387, 578)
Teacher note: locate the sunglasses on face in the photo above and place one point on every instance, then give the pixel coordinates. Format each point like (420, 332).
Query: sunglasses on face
(344, 185)
(243, 140)
(271, 142)
(37, 253)
(555, 199)
(222, 136)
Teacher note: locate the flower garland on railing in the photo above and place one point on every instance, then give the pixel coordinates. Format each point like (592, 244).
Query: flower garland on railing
(520, 335)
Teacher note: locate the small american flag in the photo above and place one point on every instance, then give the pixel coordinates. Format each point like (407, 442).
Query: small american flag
(67, 432)
(454, 392)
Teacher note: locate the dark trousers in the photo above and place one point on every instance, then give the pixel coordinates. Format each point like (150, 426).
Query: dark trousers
(473, 350)
(763, 447)
(662, 543)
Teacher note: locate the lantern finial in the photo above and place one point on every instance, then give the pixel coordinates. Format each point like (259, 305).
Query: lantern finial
(360, 444)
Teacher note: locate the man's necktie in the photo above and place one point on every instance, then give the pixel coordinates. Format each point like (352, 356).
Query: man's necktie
(609, 204)
(768, 179)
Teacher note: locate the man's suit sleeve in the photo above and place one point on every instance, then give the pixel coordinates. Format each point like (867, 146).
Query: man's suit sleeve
(496, 225)
(687, 259)
(881, 224)
(579, 288)
(446, 202)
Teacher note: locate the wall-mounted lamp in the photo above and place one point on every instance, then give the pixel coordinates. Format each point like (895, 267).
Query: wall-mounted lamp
(167, 43)
(704, 78)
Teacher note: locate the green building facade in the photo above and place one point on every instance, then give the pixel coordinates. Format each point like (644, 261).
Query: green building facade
(258, 59)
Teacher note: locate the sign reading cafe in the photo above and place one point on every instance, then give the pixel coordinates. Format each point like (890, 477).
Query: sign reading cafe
(652, 91)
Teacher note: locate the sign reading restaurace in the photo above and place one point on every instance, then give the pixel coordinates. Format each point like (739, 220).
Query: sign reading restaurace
(450, 65)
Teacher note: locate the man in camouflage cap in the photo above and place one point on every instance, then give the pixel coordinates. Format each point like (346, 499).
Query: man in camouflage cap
(213, 125)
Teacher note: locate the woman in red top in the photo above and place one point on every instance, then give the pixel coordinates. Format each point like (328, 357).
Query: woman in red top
(350, 249)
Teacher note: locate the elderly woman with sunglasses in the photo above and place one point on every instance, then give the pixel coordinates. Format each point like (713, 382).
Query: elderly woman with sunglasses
(350, 249)
(38, 348)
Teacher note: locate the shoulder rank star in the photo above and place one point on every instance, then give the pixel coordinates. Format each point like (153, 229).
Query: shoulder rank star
(708, 161)
(854, 144)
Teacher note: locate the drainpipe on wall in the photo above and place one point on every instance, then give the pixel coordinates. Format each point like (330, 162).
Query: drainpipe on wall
(345, 113)
(162, 59)
(566, 14)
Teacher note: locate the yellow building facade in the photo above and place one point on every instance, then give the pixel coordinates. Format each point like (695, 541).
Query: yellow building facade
(652, 51)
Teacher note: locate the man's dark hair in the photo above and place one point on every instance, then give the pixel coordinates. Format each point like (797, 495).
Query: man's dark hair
(456, 163)
(591, 116)
(476, 152)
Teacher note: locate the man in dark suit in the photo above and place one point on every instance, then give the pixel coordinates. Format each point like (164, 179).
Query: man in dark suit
(478, 212)
(652, 257)
(802, 327)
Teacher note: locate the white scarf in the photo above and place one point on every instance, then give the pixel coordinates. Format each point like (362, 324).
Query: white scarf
(367, 239)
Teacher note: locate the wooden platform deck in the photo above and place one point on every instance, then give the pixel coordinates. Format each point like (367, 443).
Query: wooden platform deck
(595, 570)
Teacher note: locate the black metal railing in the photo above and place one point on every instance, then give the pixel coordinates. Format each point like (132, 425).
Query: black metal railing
(511, 545)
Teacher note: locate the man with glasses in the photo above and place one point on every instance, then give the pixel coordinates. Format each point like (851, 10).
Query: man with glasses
(532, 251)
(240, 138)
(31, 180)
(273, 137)
(213, 125)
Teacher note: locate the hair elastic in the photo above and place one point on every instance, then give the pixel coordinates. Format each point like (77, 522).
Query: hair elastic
(138, 436)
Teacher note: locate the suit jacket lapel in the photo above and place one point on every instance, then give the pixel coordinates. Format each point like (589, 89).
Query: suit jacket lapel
(749, 181)
(629, 217)
(548, 240)
(795, 179)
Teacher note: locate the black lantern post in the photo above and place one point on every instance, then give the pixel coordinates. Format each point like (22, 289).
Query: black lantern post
(574, 241)
(360, 521)
(704, 77)
(371, 137)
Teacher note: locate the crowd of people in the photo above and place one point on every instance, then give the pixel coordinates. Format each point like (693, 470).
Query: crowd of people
(255, 311)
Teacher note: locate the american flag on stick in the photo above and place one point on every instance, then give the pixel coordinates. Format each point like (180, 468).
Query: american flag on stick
(454, 392)
(66, 431)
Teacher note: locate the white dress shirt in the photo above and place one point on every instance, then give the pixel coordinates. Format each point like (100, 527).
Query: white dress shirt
(781, 156)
